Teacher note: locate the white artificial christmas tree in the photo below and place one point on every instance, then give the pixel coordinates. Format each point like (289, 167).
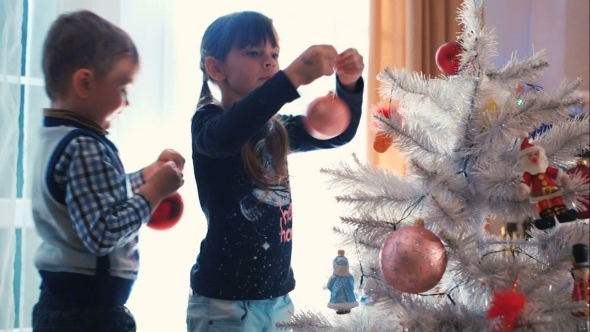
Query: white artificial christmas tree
(461, 136)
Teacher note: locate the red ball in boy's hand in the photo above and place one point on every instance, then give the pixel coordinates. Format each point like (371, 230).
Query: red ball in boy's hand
(167, 214)
(326, 117)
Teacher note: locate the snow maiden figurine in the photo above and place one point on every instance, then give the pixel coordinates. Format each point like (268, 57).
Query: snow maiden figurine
(341, 285)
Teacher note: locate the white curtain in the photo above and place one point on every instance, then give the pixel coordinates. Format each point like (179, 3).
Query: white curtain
(22, 96)
(163, 99)
(10, 68)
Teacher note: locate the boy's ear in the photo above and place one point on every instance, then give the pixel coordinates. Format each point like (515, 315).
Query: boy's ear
(214, 69)
(81, 81)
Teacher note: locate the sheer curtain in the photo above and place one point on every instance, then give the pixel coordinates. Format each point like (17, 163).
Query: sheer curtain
(167, 34)
(10, 99)
(22, 96)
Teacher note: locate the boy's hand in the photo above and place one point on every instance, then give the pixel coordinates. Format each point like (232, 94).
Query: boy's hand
(163, 182)
(349, 68)
(315, 62)
(165, 156)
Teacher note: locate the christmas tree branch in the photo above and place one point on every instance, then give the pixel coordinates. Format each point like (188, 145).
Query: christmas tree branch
(566, 139)
(414, 92)
(516, 71)
(307, 321)
(539, 108)
(417, 142)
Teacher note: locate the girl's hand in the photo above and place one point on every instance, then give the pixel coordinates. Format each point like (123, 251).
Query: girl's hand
(315, 62)
(349, 68)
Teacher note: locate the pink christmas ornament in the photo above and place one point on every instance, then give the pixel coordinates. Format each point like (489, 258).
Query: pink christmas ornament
(413, 259)
(327, 117)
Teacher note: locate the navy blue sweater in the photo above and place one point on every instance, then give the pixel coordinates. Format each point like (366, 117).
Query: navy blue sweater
(246, 254)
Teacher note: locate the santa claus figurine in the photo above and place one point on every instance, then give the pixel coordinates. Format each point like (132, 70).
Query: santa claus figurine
(542, 184)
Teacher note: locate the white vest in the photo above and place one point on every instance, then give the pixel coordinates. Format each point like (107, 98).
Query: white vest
(61, 249)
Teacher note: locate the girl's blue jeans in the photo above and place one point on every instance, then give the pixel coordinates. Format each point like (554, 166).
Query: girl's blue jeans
(212, 315)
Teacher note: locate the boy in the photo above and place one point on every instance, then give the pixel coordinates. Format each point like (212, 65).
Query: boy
(87, 211)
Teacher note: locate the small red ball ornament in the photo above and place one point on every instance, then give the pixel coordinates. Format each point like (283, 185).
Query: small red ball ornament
(326, 117)
(447, 57)
(520, 89)
(584, 171)
(413, 259)
(382, 142)
(167, 214)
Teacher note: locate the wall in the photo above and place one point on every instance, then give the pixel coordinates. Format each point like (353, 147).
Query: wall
(561, 27)
(109, 9)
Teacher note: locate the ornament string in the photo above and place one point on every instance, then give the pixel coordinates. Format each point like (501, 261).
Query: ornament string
(408, 211)
(447, 294)
(358, 254)
(536, 88)
(390, 97)
(463, 170)
(513, 250)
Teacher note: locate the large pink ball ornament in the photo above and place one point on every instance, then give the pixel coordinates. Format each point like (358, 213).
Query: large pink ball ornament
(413, 259)
(327, 117)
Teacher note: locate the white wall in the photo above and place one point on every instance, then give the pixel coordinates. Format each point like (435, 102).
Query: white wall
(561, 27)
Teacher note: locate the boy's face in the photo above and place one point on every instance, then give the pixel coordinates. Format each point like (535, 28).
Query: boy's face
(109, 94)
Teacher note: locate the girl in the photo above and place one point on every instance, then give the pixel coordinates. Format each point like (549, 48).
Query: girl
(243, 274)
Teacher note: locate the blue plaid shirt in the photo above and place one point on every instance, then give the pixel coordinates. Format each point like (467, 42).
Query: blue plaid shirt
(96, 195)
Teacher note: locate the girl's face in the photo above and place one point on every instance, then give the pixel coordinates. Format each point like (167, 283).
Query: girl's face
(246, 69)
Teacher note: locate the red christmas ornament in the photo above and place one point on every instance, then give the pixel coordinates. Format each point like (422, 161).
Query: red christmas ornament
(584, 171)
(520, 89)
(506, 305)
(326, 117)
(167, 214)
(413, 259)
(447, 57)
(382, 142)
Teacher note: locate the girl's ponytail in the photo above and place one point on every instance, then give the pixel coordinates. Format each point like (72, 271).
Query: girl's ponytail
(205, 97)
